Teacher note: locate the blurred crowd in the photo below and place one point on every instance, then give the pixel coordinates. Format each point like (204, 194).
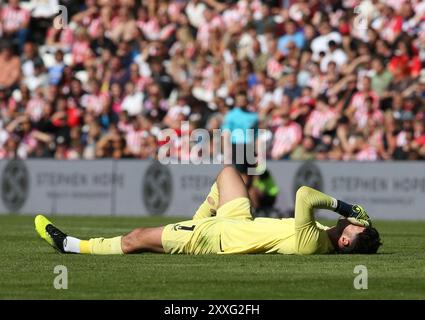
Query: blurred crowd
(326, 79)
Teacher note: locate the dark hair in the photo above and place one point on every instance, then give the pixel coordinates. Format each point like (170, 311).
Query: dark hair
(332, 43)
(322, 98)
(241, 93)
(366, 242)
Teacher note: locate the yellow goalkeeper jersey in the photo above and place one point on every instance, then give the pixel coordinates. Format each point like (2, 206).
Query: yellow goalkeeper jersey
(268, 235)
(234, 230)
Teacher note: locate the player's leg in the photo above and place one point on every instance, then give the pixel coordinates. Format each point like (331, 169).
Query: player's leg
(254, 196)
(228, 198)
(139, 240)
(209, 207)
(143, 239)
(230, 185)
(234, 199)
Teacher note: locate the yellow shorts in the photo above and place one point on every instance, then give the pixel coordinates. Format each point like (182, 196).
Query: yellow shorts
(239, 208)
(202, 236)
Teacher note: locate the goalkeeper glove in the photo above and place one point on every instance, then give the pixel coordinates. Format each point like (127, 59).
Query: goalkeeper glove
(359, 217)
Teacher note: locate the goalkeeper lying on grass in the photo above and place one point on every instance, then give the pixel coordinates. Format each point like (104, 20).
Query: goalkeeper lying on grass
(223, 224)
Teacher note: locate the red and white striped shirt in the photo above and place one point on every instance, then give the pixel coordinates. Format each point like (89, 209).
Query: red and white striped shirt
(358, 100)
(150, 28)
(203, 36)
(285, 137)
(14, 18)
(274, 69)
(80, 51)
(318, 121)
(392, 28)
(167, 32)
(376, 139)
(94, 27)
(94, 102)
(362, 117)
(239, 14)
(367, 154)
(402, 139)
(124, 127)
(208, 75)
(27, 145)
(134, 140)
(35, 108)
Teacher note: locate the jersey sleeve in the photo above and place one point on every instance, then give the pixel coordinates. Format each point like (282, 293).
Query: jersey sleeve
(309, 238)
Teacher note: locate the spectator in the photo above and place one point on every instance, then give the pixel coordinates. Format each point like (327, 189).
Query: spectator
(321, 43)
(56, 70)
(291, 35)
(381, 77)
(321, 119)
(237, 122)
(133, 100)
(14, 22)
(291, 88)
(286, 138)
(10, 67)
(304, 151)
(94, 100)
(29, 59)
(335, 54)
(364, 151)
(29, 137)
(119, 72)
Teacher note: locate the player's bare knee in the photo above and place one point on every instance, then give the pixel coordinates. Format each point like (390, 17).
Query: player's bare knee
(127, 243)
(132, 242)
(226, 172)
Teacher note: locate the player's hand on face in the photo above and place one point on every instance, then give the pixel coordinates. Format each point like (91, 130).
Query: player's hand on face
(359, 217)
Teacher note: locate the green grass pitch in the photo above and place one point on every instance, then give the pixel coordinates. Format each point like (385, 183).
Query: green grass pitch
(27, 263)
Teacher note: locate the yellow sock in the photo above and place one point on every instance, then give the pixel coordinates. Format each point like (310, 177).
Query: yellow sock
(85, 247)
(101, 246)
(209, 207)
